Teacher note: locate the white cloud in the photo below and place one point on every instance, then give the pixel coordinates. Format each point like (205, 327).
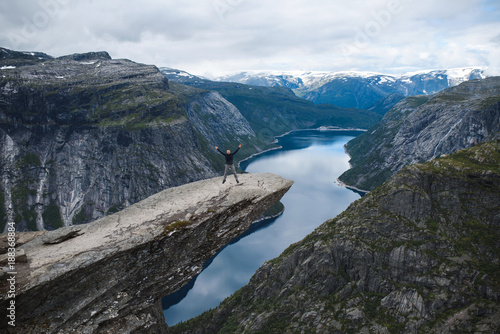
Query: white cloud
(203, 36)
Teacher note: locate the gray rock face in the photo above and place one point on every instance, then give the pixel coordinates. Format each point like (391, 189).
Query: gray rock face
(111, 275)
(418, 255)
(422, 128)
(85, 135)
(211, 111)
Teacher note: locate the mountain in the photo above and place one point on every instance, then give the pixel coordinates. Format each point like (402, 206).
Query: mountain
(421, 128)
(418, 255)
(275, 110)
(109, 276)
(291, 80)
(357, 89)
(84, 135)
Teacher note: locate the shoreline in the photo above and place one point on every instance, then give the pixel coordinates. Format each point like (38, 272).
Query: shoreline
(276, 215)
(342, 184)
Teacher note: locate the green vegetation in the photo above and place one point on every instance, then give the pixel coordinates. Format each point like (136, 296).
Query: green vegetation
(3, 214)
(113, 209)
(52, 216)
(466, 163)
(25, 189)
(416, 101)
(176, 226)
(29, 160)
(491, 101)
(134, 107)
(80, 217)
(22, 212)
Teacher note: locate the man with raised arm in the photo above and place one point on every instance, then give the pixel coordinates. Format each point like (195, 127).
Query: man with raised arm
(229, 162)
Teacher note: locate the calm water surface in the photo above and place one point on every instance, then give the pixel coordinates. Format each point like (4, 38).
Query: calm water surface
(313, 160)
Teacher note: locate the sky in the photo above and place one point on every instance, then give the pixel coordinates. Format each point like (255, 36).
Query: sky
(215, 37)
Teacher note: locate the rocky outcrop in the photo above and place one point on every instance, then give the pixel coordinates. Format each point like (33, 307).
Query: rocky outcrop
(418, 255)
(109, 276)
(421, 128)
(83, 136)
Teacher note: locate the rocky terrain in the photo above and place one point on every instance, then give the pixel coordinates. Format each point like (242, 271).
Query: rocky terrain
(421, 128)
(85, 135)
(420, 254)
(109, 276)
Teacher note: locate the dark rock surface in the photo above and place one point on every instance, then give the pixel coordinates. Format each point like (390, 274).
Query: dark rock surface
(111, 276)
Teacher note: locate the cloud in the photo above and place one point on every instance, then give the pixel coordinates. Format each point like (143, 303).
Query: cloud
(203, 36)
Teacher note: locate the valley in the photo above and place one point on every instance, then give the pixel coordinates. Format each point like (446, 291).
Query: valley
(86, 139)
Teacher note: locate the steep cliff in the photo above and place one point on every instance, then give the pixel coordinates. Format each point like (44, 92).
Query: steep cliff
(421, 128)
(421, 254)
(85, 135)
(109, 276)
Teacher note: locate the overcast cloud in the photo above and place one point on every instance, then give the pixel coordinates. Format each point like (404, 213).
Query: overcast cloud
(208, 37)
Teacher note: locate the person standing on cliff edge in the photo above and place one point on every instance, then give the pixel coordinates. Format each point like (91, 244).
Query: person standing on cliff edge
(229, 162)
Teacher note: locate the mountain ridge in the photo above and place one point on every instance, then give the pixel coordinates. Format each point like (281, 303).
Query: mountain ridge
(421, 128)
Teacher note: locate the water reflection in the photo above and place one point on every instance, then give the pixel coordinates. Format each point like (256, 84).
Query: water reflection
(312, 159)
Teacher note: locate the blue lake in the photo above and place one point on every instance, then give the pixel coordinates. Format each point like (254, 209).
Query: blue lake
(313, 160)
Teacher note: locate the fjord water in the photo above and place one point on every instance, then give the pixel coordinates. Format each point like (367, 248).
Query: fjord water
(313, 160)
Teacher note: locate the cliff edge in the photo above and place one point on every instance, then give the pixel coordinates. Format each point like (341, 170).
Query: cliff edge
(109, 276)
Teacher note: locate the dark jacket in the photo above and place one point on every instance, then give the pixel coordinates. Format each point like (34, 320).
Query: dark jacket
(229, 157)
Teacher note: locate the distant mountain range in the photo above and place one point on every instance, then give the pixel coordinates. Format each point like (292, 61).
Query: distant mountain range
(353, 89)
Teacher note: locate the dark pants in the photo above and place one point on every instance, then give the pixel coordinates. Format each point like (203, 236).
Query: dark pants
(234, 172)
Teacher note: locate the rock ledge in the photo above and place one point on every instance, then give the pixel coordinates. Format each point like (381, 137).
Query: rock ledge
(110, 275)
